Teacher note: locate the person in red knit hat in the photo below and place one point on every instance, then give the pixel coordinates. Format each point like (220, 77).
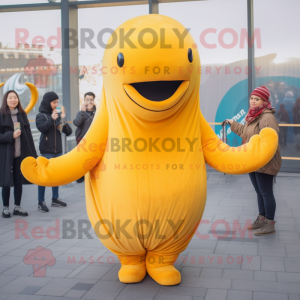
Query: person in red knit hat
(259, 116)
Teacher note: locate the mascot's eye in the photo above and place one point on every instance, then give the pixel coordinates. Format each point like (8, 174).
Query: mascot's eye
(120, 60)
(190, 55)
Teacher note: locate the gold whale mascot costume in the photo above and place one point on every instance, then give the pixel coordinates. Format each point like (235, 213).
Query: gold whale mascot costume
(144, 155)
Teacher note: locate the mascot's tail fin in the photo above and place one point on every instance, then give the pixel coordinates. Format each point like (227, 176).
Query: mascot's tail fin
(238, 160)
(34, 97)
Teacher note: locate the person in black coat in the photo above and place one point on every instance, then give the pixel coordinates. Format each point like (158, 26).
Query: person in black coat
(50, 122)
(15, 145)
(84, 119)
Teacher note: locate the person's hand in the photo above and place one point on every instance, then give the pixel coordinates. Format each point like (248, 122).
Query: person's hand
(229, 121)
(54, 115)
(17, 134)
(83, 107)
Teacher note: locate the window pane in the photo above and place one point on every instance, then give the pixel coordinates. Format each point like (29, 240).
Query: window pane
(219, 33)
(14, 2)
(90, 59)
(24, 44)
(278, 62)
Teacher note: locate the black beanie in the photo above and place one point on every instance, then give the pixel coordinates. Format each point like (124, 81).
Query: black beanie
(45, 106)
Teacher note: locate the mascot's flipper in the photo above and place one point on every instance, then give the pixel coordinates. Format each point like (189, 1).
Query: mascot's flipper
(73, 165)
(34, 96)
(238, 160)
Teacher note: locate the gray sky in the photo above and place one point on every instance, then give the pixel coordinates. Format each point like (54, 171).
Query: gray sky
(277, 21)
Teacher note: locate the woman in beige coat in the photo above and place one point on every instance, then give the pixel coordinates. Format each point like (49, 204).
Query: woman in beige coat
(261, 115)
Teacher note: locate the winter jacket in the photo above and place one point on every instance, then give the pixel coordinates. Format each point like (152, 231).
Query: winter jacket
(265, 119)
(50, 140)
(83, 122)
(7, 147)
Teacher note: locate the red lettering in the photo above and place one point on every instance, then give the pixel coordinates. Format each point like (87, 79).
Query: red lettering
(37, 230)
(218, 69)
(82, 144)
(208, 70)
(234, 36)
(19, 230)
(55, 229)
(202, 38)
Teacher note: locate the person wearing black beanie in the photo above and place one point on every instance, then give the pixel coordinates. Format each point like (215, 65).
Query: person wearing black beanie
(50, 122)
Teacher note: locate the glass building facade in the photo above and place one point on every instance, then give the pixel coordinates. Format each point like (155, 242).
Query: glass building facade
(239, 49)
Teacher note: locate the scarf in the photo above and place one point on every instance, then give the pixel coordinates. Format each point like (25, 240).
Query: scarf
(254, 112)
(18, 139)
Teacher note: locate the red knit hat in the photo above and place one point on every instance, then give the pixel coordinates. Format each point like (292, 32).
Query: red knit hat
(262, 92)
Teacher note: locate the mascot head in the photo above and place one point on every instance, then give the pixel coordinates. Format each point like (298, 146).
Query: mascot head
(151, 67)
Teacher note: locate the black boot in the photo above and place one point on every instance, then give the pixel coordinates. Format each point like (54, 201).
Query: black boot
(56, 202)
(80, 179)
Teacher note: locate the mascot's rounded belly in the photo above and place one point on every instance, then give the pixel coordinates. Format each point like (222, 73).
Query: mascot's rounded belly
(158, 197)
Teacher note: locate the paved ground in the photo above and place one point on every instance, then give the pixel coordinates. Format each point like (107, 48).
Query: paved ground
(215, 267)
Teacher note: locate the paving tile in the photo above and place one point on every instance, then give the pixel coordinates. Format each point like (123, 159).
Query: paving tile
(266, 286)
(3, 269)
(190, 271)
(265, 275)
(273, 296)
(213, 261)
(251, 262)
(182, 291)
(172, 297)
(82, 286)
(285, 221)
(75, 294)
(271, 249)
(206, 282)
(109, 286)
(112, 274)
(238, 295)
(30, 290)
(93, 272)
(29, 281)
(292, 264)
(58, 298)
(22, 297)
(288, 277)
(147, 289)
(238, 274)
(76, 271)
(57, 287)
(269, 263)
(211, 273)
(213, 294)
(5, 279)
(229, 248)
(294, 297)
(133, 295)
(292, 250)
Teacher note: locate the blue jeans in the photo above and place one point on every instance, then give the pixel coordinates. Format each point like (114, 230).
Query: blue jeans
(41, 189)
(263, 185)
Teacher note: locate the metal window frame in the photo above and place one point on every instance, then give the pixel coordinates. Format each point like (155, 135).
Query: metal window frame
(69, 20)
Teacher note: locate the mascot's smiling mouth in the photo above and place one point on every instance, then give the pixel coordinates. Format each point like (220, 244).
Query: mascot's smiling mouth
(156, 95)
